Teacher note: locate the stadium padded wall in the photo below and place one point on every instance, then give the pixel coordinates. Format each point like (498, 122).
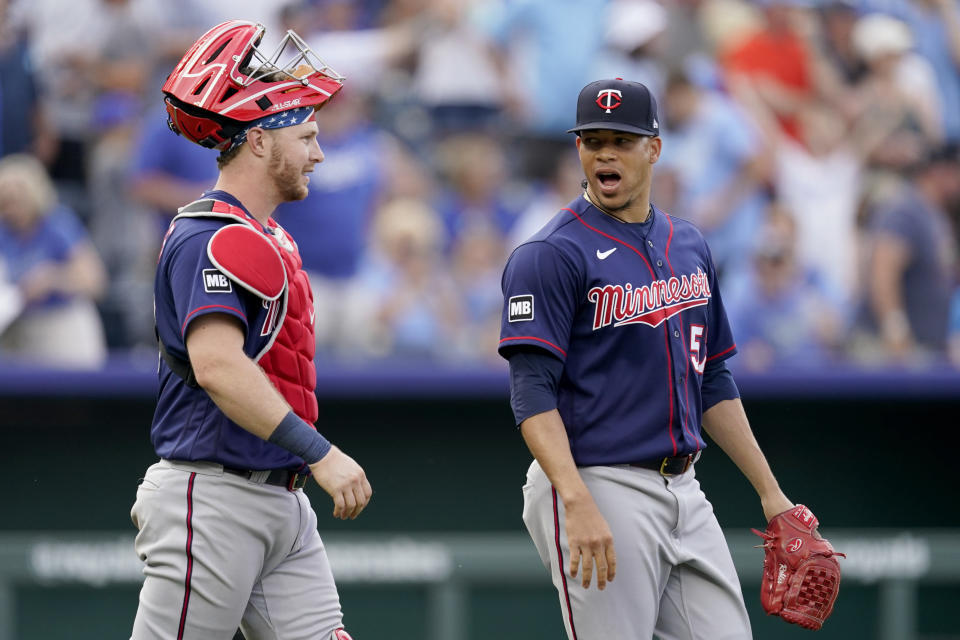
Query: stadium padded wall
(447, 464)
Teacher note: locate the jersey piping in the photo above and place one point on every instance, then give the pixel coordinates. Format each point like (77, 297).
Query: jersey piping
(724, 352)
(666, 331)
(209, 306)
(537, 339)
(683, 336)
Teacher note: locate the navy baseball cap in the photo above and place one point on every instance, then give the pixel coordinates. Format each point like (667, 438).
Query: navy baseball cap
(618, 105)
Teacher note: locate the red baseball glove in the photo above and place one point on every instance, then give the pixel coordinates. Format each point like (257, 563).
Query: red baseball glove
(801, 576)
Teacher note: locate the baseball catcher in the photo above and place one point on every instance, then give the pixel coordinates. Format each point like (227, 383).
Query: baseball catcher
(801, 576)
(226, 533)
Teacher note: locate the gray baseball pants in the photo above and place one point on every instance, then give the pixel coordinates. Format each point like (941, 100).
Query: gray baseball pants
(675, 578)
(222, 552)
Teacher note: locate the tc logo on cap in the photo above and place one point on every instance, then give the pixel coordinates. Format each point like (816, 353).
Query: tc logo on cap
(609, 99)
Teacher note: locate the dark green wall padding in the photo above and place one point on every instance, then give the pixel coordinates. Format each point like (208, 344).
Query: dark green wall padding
(437, 465)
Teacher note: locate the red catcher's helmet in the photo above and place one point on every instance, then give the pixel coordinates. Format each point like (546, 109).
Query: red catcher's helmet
(224, 82)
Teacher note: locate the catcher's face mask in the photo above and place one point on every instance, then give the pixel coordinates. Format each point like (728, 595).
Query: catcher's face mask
(224, 82)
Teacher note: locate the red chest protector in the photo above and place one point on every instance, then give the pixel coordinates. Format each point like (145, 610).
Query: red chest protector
(269, 266)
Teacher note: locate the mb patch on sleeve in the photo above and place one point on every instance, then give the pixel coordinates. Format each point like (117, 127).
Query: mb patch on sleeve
(520, 308)
(248, 258)
(216, 282)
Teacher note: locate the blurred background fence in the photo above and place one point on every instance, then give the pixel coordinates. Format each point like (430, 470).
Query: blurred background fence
(441, 552)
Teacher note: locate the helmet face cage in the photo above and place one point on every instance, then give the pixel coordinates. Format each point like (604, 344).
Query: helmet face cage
(303, 62)
(226, 80)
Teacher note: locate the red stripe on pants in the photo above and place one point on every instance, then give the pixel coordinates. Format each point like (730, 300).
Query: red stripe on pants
(186, 584)
(563, 576)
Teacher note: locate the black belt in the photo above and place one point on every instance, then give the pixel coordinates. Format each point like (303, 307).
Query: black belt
(669, 466)
(289, 478)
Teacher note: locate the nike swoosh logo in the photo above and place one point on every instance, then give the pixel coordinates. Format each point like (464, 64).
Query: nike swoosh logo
(603, 255)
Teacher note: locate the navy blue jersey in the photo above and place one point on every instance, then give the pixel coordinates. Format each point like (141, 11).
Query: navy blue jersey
(187, 425)
(634, 312)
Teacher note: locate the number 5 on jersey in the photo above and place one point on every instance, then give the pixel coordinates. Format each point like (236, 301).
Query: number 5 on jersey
(696, 334)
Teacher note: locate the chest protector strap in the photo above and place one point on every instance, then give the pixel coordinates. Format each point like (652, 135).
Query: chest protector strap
(181, 368)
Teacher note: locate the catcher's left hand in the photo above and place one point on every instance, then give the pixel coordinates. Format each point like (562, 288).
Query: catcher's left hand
(801, 576)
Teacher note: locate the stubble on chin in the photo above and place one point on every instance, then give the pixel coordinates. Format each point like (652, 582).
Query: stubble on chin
(286, 178)
(294, 192)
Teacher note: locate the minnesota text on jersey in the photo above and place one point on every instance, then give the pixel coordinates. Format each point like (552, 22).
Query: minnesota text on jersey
(648, 304)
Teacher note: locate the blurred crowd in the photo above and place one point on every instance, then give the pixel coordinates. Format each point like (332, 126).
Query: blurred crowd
(814, 142)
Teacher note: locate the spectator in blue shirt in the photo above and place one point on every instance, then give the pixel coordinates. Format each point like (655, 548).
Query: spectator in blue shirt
(712, 169)
(363, 166)
(782, 316)
(912, 264)
(49, 257)
(477, 192)
(546, 50)
(404, 304)
(23, 126)
(555, 64)
(167, 173)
